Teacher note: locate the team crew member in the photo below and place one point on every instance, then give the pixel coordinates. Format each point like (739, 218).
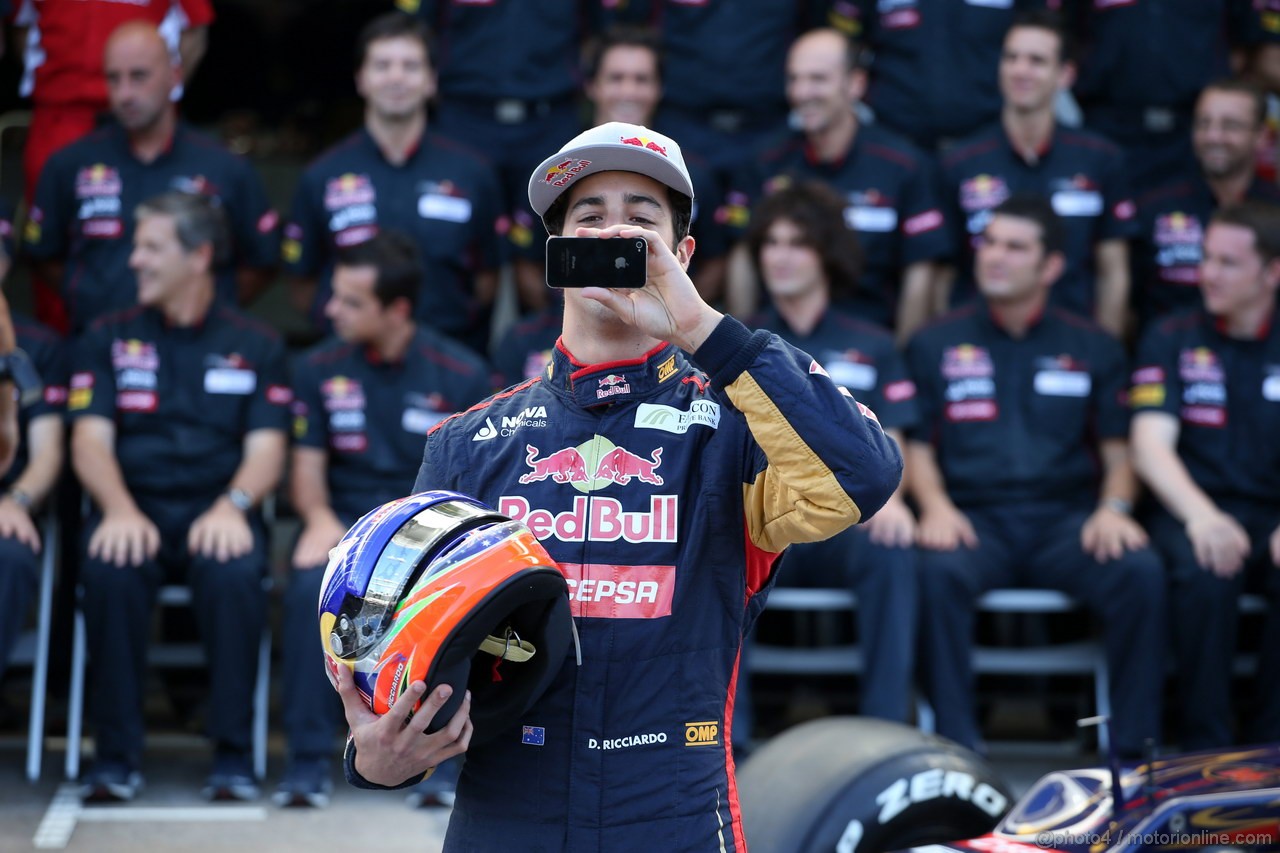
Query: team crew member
(64, 41)
(624, 83)
(933, 78)
(1028, 152)
(33, 475)
(665, 486)
(179, 410)
(62, 75)
(80, 230)
(1019, 401)
(509, 77)
(1206, 401)
(1146, 62)
(804, 254)
(395, 173)
(10, 434)
(1230, 122)
(364, 402)
(890, 186)
(729, 57)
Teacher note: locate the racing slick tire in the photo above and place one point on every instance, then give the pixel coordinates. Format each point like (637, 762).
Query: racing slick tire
(859, 785)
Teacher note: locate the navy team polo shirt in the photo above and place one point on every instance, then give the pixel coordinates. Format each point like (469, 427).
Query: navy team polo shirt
(372, 416)
(1080, 173)
(444, 196)
(1017, 419)
(84, 212)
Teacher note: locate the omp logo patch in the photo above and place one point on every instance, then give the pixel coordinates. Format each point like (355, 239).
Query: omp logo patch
(666, 369)
(702, 734)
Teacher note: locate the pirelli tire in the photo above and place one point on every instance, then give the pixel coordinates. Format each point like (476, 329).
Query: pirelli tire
(859, 785)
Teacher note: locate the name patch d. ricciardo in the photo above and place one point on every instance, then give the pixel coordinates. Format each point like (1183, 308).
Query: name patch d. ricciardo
(627, 741)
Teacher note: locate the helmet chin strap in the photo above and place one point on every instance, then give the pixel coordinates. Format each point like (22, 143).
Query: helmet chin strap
(508, 647)
(511, 647)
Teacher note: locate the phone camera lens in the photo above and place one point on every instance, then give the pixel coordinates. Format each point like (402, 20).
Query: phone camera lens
(639, 244)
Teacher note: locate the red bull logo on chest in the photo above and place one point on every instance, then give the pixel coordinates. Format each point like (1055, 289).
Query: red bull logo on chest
(593, 465)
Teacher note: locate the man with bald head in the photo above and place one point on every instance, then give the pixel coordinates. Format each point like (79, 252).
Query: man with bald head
(888, 185)
(81, 225)
(63, 42)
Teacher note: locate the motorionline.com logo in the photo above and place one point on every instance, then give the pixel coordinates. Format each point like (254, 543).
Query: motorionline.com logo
(1184, 840)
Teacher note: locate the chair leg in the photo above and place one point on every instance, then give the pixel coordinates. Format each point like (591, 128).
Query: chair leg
(75, 701)
(261, 703)
(40, 670)
(1102, 700)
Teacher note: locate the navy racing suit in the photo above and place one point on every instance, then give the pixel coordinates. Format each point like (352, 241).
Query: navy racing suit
(665, 488)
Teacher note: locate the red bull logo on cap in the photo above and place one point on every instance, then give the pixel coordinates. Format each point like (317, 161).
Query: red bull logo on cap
(562, 174)
(643, 142)
(592, 465)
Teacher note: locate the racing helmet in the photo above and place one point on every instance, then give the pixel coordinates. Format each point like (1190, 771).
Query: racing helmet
(438, 587)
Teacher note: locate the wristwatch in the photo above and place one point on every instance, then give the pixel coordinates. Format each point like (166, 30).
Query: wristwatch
(1118, 505)
(17, 368)
(240, 499)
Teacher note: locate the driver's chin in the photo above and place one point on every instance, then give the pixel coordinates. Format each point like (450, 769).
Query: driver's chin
(600, 315)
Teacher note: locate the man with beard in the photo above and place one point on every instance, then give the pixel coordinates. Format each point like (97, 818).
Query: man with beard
(1229, 123)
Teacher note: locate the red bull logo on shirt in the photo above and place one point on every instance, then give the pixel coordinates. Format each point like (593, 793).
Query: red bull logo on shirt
(966, 360)
(1200, 364)
(342, 393)
(982, 192)
(592, 465)
(135, 354)
(347, 190)
(98, 180)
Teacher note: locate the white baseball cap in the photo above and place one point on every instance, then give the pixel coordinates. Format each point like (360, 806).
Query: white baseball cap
(612, 147)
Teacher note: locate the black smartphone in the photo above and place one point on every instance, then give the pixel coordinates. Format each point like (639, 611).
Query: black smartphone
(593, 262)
